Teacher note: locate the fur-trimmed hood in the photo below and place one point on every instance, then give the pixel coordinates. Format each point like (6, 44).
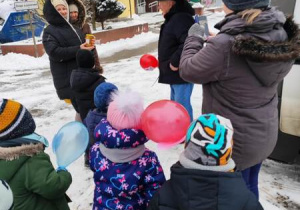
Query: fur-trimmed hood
(12, 153)
(17, 156)
(81, 13)
(260, 50)
(271, 39)
(54, 18)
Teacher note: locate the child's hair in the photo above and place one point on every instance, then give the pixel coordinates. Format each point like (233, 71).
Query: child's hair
(125, 110)
(102, 95)
(250, 14)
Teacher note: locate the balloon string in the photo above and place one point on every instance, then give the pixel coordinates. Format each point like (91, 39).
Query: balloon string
(154, 82)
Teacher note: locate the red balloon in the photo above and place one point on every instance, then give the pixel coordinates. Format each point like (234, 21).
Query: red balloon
(165, 121)
(148, 62)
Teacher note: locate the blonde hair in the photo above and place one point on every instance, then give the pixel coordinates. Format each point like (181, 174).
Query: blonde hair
(250, 14)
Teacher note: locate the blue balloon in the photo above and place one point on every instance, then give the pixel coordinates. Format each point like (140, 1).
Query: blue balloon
(69, 143)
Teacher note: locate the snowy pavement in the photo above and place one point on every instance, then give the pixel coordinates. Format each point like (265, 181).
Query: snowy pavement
(28, 80)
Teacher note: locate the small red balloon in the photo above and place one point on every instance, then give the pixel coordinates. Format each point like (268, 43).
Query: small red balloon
(148, 62)
(165, 121)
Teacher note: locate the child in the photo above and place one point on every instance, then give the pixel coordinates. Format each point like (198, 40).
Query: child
(101, 99)
(84, 81)
(28, 170)
(204, 177)
(126, 174)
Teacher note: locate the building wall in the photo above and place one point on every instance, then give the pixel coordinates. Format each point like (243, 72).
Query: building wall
(126, 13)
(285, 6)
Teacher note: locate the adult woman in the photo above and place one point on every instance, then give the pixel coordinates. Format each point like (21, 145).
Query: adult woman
(61, 42)
(240, 70)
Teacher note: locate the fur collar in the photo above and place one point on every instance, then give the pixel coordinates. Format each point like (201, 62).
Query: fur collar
(12, 153)
(259, 50)
(81, 13)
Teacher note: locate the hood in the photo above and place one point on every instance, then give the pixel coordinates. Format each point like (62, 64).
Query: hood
(52, 16)
(180, 6)
(121, 139)
(199, 189)
(12, 158)
(267, 21)
(270, 45)
(81, 13)
(83, 78)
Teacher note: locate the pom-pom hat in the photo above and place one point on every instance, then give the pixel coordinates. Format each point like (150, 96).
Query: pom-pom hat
(125, 110)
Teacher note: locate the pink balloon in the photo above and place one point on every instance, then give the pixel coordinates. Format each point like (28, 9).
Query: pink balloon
(165, 121)
(148, 62)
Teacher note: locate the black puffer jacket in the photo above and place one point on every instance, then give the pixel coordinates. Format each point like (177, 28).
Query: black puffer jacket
(84, 81)
(61, 42)
(191, 189)
(171, 39)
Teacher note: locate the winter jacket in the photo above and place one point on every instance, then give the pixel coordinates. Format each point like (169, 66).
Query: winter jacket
(61, 42)
(32, 178)
(83, 82)
(240, 70)
(191, 189)
(91, 121)
(85, 28)
(173, 33)
(123, 185)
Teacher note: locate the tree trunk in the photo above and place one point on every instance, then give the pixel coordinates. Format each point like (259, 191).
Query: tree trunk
(102, 24)
(93, 6)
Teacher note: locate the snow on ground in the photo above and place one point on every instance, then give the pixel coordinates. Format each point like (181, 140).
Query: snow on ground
(28, 80)
(108, 49)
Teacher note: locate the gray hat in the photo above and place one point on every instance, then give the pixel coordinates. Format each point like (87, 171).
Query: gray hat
(240, 5)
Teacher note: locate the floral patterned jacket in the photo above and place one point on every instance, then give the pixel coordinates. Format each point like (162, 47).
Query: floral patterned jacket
(129, 185)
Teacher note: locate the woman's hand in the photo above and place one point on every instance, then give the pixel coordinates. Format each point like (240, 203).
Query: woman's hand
(84, 47)
(173, 68)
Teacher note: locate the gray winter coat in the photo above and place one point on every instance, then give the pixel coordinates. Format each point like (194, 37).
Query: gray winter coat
(240, 70)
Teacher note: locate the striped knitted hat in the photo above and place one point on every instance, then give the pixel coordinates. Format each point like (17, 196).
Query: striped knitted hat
(15, 120)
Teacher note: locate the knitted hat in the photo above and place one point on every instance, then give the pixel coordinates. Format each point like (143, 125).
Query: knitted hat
(6, 196)
(85, 59)
(73, 8)
(125, 110)
(240, 5)
(58, 2)
(102, 95)
(15, 120)
(209, 144)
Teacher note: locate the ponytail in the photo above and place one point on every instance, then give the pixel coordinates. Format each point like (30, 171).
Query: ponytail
(250, 14)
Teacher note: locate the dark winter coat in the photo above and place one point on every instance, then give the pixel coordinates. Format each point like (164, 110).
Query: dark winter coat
(83, 82)
(61, 42)
(32, 178)
(82, 24)
(126, 185)
(173, 33)
(191, 189)
(240, 70)
(91, 121)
